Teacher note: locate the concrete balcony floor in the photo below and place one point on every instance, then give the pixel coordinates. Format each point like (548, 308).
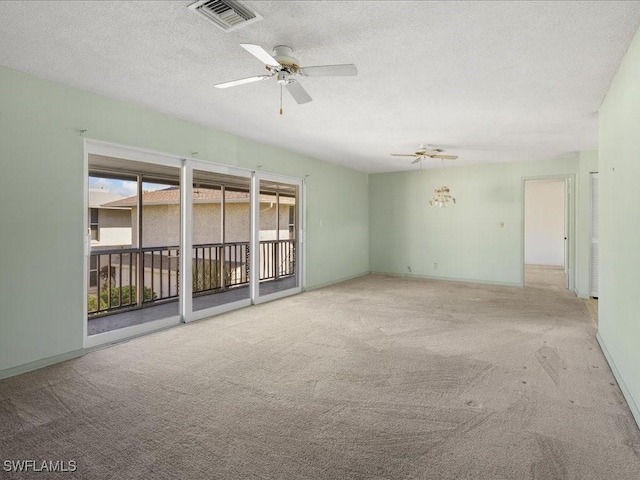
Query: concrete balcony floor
(159, 311)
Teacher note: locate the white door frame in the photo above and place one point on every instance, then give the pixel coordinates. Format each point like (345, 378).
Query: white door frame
(569, 211)
(96, 147)
(300, 247)
(593, 239)
(186, 166)
(186, 288)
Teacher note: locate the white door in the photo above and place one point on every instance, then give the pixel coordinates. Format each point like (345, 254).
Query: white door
(594, 237)
(567, 210)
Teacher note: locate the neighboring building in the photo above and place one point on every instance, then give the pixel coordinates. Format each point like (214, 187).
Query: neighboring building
(161, 217)
(109, 226)
(216, 262)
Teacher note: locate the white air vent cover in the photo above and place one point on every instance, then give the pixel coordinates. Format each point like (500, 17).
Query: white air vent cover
(229, 15)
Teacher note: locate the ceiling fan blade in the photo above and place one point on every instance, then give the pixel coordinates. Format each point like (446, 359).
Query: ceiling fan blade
(261, 54)
(298, 93)
(242, 81)
(444, 157)
(347, 70)
(404, 155)
(419, 159)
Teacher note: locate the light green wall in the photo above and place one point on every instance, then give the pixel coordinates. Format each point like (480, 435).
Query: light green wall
(355, 222)
(467, 240)
(588, 164)
(619, 229)
(41, 193)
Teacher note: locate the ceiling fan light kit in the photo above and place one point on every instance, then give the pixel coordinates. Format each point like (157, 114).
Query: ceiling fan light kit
(442, 197)
(283, 65)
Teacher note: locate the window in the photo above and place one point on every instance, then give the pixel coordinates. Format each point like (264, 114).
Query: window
(93, 225)
(292, 220)
(93, 271)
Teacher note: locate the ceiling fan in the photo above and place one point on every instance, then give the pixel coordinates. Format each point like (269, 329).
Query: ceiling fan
(426, 151)
(284, 67)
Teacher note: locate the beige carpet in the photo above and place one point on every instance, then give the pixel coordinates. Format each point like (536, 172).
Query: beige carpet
(545, 276)
(376, 378)
(554, 278)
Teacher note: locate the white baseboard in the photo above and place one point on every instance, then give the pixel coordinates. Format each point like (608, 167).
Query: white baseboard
(332, 282)
(623, 386)
(44, 362)
(452, 279)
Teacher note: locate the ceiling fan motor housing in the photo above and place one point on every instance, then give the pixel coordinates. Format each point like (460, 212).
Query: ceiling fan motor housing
(283, 54)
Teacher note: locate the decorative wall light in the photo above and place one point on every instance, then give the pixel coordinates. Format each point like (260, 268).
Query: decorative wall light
(442, 197)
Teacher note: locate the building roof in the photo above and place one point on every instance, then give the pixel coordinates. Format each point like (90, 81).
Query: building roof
(171, 195)
(99, 197)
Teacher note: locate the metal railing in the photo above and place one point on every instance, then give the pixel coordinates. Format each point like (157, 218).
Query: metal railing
(219, 266)
(277, 259)
(117, 283)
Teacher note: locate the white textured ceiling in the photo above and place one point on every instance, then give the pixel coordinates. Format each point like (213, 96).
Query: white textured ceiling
(488, 81)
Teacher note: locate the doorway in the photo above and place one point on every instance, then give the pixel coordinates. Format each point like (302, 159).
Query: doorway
(546, 233)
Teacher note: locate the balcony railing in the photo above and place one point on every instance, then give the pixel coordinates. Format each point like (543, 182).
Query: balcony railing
(116, 283)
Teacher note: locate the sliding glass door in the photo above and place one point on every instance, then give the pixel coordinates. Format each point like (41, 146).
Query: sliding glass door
(220, 233)
(132, 244)
(277, 236)
(172, 240)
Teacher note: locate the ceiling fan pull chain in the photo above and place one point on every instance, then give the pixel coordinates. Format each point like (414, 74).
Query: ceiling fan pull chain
(280, 99)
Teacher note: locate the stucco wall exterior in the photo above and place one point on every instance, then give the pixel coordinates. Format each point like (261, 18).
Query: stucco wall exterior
(161, 223)
(114, 228)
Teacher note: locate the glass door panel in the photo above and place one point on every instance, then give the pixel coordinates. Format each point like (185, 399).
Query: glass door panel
(278, 249)
(220, 235)
(133, 266)
(112, 254)
(160, 241)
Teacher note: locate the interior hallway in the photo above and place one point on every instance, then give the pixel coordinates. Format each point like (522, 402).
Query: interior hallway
(545, 276)
(554, 278)
(378, 377)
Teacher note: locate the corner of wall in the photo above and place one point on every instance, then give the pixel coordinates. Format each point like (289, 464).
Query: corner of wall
(635, 411)
(619, 232)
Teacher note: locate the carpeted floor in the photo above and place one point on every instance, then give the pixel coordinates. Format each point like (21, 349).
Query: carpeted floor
(548, 277)
(377, 378)
(592, 307)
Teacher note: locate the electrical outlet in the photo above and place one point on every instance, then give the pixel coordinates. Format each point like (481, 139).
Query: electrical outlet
(409, 268)
(435, 266)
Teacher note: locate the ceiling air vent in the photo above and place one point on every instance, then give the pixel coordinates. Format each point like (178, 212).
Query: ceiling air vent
(229, 15)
